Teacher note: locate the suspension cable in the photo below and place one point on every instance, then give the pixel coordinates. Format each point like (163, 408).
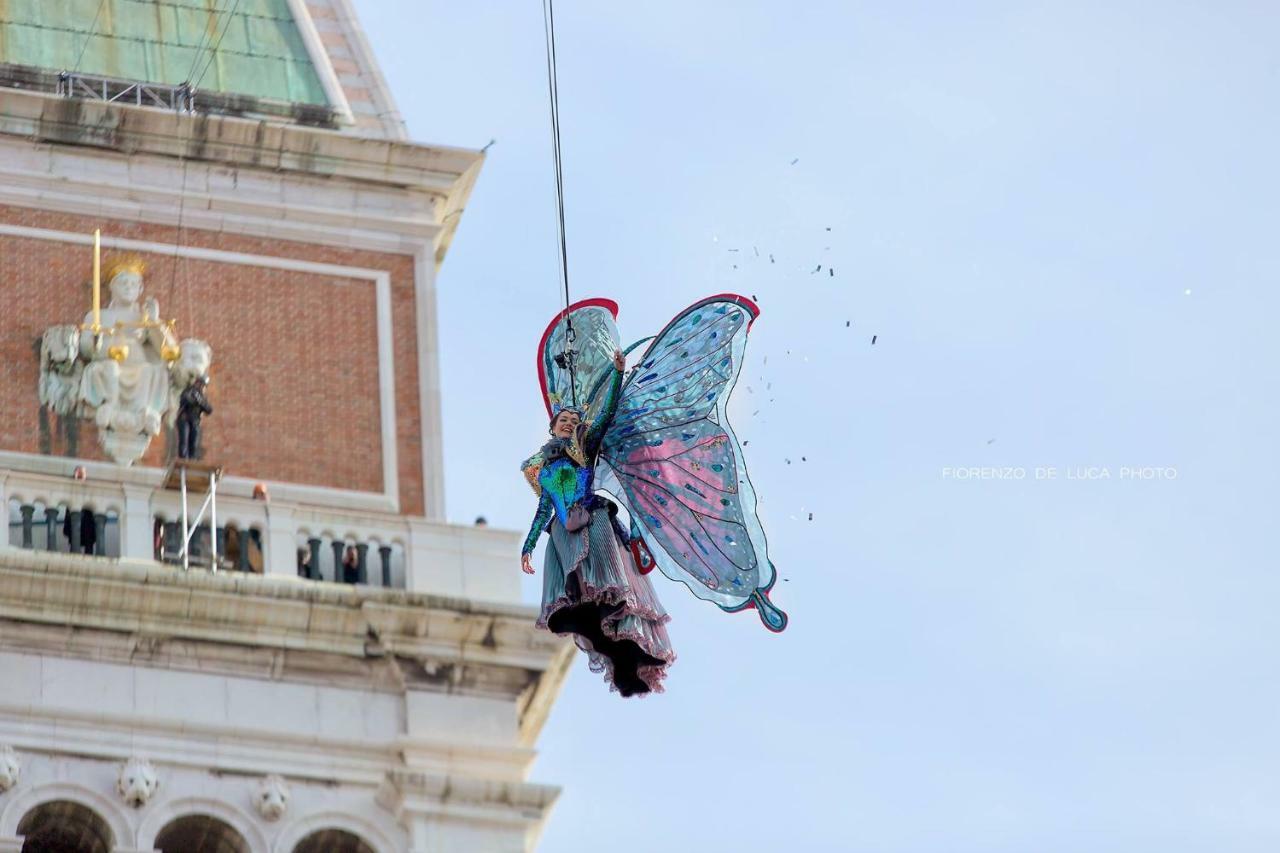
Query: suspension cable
(553, 96)
(213, 54)
(89, 35)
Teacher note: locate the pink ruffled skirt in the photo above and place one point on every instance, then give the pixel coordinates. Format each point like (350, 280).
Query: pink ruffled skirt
(592, 592)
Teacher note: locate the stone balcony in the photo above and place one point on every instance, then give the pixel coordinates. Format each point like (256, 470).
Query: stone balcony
(300, 533)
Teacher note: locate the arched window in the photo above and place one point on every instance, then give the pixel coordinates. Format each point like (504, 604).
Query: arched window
(199, 833)
(331, 841)
(62, 826)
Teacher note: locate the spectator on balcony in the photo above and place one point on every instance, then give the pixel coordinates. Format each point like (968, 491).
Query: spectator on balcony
(88, 530)
(351, 565)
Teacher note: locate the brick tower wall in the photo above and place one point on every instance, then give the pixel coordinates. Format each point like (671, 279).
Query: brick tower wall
(295, 374)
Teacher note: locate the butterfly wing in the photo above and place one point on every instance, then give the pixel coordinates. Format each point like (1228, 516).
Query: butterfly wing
(674, 460)
(595, 340)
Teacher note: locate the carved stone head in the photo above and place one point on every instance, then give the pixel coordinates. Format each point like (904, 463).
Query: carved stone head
(10, 768)
(124, 279)
(137, 782)
(272, 797)
(194, 358)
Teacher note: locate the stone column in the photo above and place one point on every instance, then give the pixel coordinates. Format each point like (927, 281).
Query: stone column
(4, 503)
(338, 547)
(313, 570)
(384, 551)
(362, 572)
(280, 543)
(172, 539)
(100, 528)
(27, 511)
(51, 530)
(137, 525)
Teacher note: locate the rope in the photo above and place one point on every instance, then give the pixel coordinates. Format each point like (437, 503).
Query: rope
(92, 28)
(553, 96)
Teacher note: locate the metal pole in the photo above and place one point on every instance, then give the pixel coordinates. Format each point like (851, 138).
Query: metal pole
(186, 531)
(213, 517)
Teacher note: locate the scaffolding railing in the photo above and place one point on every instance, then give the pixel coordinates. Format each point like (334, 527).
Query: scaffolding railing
(180, 98)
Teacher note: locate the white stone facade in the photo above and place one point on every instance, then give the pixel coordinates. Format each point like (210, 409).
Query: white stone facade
(279, 707)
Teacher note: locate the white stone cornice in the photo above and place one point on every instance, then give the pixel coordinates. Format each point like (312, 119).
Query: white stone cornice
(266, 612)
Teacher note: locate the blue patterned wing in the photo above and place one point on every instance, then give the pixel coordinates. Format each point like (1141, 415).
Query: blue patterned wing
(595, 341)
(673, 459)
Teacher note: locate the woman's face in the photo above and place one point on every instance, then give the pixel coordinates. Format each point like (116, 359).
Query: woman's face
(126, 287)
(566, 423)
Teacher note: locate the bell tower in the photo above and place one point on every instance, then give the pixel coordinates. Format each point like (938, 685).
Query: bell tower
(336, 668)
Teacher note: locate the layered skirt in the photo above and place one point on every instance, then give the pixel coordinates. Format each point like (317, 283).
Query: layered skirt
(592, 591)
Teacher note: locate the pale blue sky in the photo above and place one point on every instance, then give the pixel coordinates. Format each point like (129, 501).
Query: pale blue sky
(1020, 196)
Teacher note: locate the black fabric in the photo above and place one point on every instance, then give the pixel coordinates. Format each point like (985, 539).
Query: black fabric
(585, 619)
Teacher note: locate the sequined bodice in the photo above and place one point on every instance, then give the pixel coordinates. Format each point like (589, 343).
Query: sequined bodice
(566, 483)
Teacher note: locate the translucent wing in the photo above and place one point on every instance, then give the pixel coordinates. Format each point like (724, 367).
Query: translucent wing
(674, 460)
(595, 341)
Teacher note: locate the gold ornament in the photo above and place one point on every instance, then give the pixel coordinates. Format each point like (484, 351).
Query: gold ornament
(118, 352)
(128, 263)
(170, 352)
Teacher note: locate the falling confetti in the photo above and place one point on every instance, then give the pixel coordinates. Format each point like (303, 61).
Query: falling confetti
(757, 251)
(831, 271)
(811, 516)
(771, 260)
(733, 250)
(818, 268)
(846, 323)
(873, 340)
(991, 441)
(793, 162)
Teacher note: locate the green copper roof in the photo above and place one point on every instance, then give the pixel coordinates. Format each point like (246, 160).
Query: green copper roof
(156, 41)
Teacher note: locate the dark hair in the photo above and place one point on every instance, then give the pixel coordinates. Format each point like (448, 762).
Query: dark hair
(574, 409)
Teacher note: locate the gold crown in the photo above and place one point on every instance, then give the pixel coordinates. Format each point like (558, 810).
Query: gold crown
(128, 263)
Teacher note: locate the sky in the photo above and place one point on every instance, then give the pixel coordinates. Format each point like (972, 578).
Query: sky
(1058, 222)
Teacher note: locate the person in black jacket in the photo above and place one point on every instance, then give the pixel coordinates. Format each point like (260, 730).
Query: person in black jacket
(192, 406)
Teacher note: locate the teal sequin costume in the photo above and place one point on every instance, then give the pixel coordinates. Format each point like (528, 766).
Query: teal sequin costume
(591, 587)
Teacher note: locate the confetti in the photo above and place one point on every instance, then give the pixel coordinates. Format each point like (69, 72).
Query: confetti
(873, 340)
(831, 271)
(771, 260)
(733, 250)
(811, 516)
(846, 323)
(788, 461)
(757, 251)
(991, 441)
(793, 162)
(818, 268)
(803, 459)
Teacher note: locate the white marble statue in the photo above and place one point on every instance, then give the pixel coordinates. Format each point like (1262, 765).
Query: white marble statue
(137, 782)
(272, 797)
(127, 374)
(10, 768)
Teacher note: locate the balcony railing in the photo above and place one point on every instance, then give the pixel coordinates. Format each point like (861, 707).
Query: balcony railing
(133, 517)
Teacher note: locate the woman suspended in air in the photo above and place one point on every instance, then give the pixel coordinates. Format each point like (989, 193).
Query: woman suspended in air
(657, 441)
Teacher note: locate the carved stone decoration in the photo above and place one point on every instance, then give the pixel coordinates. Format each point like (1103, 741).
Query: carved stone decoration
(137, 782)
(60, 369)
(126, 374)
(272, 797)
(10, 768)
